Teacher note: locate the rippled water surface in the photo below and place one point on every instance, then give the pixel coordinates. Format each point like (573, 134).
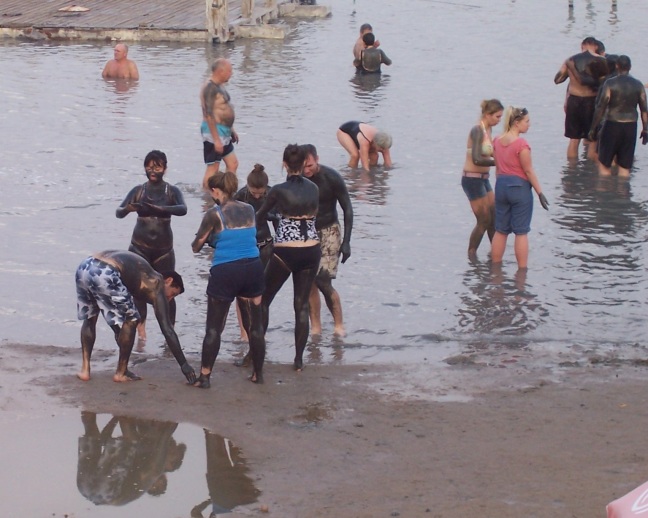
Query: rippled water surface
(73, 145)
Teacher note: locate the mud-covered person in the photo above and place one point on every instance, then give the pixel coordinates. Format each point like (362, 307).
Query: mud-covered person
(155, 202)
(372, 57)
(254, 193)
(296, 248)
(217, 127)
(236, 273)
(359, 45)
(332, 191)
(585, 72)
(617, 107)
(109, 282)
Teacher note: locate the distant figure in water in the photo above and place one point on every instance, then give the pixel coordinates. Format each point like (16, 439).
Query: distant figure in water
(108, 282)
(359, 45)
(155, 202)
(475, 179)
(364, 143)
(120, 67)
(371, 57)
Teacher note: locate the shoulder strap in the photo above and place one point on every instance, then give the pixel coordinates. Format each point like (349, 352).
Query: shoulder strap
(220, 213)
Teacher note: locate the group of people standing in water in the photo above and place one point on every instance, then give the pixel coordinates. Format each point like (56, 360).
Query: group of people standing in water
(600, 107)
(261, 236)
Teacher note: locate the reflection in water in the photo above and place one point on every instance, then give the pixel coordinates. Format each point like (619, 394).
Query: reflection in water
(367, 89)
(227, 478)
(367, 186)
(603, 221)
(117, 470)
(601, 256)
(121, 86)
(498, 305)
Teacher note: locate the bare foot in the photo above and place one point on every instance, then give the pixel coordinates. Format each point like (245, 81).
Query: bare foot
(83, 376)
(202, 381)
(298, 365)
(243, 362)
(316, 331)
(339, 332)
(127, 376)
(256, 378)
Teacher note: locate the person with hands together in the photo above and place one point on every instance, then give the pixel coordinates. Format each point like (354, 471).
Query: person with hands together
(515, 179)
(155, 202)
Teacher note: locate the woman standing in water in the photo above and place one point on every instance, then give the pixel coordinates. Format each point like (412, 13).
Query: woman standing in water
(236, 272)
(155, 202)
(296, 248)
(475, 179)
(515, 178)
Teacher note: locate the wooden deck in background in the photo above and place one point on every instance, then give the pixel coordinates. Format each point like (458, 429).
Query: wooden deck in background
(134, 20)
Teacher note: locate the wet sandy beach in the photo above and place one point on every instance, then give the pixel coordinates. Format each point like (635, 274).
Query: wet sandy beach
(477, 440)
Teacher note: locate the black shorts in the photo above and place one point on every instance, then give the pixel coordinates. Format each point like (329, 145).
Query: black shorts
(210, 154)
(242, 278)
(298, 258)
(579, 116)
(617, 139)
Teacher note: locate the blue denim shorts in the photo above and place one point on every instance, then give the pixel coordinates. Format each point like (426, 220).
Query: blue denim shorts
(475, 188)
(513, 205)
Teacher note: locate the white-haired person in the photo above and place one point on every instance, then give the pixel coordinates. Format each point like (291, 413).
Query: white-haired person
(515, 179)
(364, 143)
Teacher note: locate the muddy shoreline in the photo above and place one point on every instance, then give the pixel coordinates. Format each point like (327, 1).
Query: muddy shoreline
(367, 441)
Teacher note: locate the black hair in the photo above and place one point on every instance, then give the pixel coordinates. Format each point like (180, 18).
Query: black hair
(623, 63)
(369, 39)
(258, 178)
(294, 158)
(157, 157)
(177, 279)
(309, 149)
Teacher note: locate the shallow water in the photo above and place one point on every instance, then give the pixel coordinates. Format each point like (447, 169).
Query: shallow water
(101, 465)
(73, 146)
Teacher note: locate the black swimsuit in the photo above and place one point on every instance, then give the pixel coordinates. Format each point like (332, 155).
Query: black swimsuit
(352, 128)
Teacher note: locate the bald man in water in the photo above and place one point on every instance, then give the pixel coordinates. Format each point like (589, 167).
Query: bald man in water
(121, 67)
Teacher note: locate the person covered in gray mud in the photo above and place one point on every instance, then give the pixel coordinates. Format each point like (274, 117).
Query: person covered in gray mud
(585, 72)
(296, 248)
(617, 107)
(359, 45)
(154, 201)
(236, 273)
(109, 282)
(332, 190)
(371, 57)
(254, 193)
(476, 172)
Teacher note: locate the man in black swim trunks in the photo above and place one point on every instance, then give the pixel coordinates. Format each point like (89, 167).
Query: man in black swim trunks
(108, 282)
(617, 106)
(332, 190)
(585, 72)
